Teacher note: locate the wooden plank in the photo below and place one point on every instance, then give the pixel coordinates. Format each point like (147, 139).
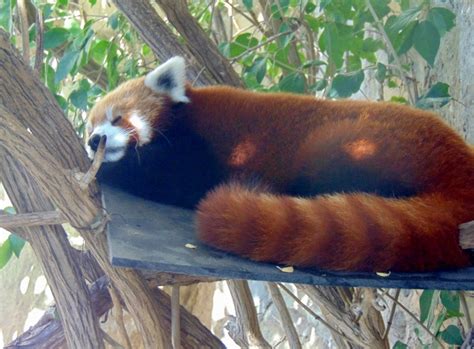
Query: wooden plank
(148, 235)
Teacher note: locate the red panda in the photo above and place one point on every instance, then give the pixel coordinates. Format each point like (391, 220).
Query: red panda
(291, 179)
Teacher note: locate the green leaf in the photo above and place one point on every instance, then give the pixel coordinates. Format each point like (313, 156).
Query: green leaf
(5, 252)
(310, 7)
(440, 89)
(258, 69)
(248, 4)
(381, 7)
(344, 85)
(405, 18)
(294, 82)
(17, 244)
(113, 21)
(402, 40)
(55, 37)
(98, 50)
(436, 97)
(442, 18)
(426, 299)
(78, 98)
(452, 335)
(284, 5)
(426, 40)
(6, 14)
(66, 64)
(9, 210)
(92, 2)
(381, 72)
(400, 345)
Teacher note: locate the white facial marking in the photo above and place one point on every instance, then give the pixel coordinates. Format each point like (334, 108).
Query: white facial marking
(116, 144)
(109, 113)
(142, 127)
(169, 78)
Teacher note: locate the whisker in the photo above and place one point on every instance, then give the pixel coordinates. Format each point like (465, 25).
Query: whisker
(162, 134)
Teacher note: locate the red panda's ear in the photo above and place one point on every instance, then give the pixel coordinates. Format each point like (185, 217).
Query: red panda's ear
(169, 78)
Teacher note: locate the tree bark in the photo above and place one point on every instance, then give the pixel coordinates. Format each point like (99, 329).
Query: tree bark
(50, 246)
(49, 334)
(164, 44)
(44, 132)
(196, 39)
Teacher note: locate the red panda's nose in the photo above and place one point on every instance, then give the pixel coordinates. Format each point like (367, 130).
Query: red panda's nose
(94, 142)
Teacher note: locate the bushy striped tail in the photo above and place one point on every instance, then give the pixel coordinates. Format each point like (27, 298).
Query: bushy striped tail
(353, 232)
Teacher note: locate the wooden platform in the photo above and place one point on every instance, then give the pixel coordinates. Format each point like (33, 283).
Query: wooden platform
(147, 235)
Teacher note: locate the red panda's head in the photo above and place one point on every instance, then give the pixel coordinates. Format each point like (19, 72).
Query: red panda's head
(130, 115)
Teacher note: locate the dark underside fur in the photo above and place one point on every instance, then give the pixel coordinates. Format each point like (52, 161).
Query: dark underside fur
(175, 169)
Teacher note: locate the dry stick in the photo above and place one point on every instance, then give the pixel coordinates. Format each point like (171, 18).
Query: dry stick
(175, 318)
(39, 41)
(392, 313)
(119, 311)
(285, 317)
(10, 221)
(316, 316)
(25, 42)
(462, 297)
(392, 50)
(96, 163)
(416, 320)
(247, 333)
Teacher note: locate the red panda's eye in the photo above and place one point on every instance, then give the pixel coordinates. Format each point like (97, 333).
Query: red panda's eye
(116, 120)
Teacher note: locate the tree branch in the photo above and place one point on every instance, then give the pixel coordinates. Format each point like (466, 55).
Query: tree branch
(286, 321)
(10, 221)
(247, 332)
(48, 332)
(199, 43)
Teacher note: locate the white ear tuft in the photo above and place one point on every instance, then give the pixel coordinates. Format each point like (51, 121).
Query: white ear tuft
(169, 78)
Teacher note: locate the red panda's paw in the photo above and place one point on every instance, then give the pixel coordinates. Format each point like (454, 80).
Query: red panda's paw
(229, 218)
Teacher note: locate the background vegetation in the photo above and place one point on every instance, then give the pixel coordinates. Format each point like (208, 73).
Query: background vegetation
(383, 50)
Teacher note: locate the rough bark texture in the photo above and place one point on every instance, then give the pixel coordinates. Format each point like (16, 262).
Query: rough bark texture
(246, 332)
(154, 31)
(50, 246)
(39, 122)
(48, 332)
(366, 331)
(196, 39)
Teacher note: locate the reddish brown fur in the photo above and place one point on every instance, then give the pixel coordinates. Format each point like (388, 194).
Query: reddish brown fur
(294, 135)
(280, 137)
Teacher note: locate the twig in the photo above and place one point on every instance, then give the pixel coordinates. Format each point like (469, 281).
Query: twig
(392, 313)
(285, 317)
(256, 47)
(416, 320)
(175, 318)
(25, 42)
(89, 176)
(39, 41)
(467, 315)
(11, 221)
(392, 51)
(119, 316)
(247, 333)
(316, 316)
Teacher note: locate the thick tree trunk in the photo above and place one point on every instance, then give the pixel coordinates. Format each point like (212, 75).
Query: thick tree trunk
(43, 141)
